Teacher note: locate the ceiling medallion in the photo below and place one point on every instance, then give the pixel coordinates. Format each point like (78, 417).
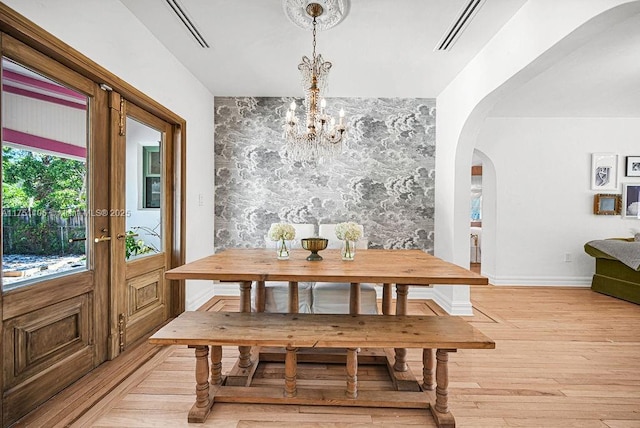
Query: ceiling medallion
(334, 12)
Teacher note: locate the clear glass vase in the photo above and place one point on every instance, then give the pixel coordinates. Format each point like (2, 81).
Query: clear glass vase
(283, 248)
(348, 249)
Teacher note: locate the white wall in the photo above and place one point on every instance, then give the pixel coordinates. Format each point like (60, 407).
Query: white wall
(543, 201)
(518, 52)
(107, 32)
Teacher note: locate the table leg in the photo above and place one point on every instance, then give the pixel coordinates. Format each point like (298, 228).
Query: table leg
(216, 365)
(354, 299)
(294, 301)
(260, 296)
(428, 369)
(352, 373)
(245, 306)
(387, 296)
(401, 309)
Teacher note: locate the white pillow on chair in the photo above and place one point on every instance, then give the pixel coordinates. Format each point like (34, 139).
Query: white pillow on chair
(277, 292)
(333, 297)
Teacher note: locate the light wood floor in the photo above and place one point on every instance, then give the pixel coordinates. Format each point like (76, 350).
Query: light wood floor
(564, 357)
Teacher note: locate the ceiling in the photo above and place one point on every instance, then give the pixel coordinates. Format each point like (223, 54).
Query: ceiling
(382, 48)
(601, 78)
(385, 48)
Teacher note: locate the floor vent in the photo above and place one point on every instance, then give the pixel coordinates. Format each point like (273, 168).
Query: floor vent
(179, 11)
(459, 24)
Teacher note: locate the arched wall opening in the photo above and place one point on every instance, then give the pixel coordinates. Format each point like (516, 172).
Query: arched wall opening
(508, 61)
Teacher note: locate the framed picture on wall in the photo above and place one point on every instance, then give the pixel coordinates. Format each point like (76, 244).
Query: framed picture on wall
(604, 171)
(606, 204)
(631, 200)
(633, 166)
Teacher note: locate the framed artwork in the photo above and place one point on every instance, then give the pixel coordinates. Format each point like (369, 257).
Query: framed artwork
(604, 171)
(633, 166)
(631, 200)
(607, 204)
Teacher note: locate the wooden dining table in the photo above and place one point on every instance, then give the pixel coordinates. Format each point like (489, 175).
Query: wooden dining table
(402, 268)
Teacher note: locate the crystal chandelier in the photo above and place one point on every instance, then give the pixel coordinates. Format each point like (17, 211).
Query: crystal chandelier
(321, 138)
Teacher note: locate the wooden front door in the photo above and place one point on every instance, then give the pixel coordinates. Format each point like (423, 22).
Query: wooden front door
(55, 238)
(141, 200)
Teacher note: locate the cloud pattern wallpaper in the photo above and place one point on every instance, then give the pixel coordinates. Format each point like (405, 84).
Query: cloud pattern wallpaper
(383, 179)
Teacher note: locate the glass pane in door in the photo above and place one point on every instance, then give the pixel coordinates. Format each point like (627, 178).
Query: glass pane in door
(44, 177)
(144, 179)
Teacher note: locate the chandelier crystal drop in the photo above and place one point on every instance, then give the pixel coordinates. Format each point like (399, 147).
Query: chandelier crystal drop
(320, 137)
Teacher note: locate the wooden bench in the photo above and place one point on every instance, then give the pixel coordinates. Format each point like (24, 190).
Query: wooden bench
(202, 330)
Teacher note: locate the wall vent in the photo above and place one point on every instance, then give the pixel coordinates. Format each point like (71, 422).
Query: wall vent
(179, 11)
(461, 21)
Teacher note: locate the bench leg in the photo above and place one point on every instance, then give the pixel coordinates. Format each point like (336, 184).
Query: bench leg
(352, 373)
(401, 309)
(290, 372)
(216, 365)
(202, 406)
(428, 369)
(440, 412)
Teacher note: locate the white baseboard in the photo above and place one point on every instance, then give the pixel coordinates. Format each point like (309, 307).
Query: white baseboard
(546, 281)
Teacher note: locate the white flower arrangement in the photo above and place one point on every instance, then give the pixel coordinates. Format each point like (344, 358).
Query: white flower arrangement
(283, 231)
(348, 231)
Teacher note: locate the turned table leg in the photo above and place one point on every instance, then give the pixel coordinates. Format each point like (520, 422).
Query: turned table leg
(294, 300)
(216, 365)
(352, 373)
(354, 299)
(260, 296)
(244, 360)
(387, 296)
(290, 372)
(401, 309)
(428, 369)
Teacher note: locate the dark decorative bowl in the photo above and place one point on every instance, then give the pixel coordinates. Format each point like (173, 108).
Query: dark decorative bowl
(314, 245)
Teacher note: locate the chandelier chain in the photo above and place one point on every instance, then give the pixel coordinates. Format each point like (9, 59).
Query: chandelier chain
(314, 38)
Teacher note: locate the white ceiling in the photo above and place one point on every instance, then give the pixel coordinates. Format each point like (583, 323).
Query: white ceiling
(601, 78)
(385, 48)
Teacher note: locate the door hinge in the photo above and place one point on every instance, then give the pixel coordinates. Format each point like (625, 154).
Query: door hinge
(121, 116)
(121, 332)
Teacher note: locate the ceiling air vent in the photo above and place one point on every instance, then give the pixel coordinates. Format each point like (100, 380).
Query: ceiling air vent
(459, 24)
(179, 11)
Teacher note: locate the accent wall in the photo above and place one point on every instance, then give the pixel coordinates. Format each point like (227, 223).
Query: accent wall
(384, 179)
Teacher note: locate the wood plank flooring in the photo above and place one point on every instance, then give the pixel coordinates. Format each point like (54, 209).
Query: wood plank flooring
(564, 357)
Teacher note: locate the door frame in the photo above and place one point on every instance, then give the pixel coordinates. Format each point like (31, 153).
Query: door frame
(27, 32)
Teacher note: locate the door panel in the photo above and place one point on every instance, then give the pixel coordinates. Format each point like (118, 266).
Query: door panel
(54, 275)
(139, 178)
